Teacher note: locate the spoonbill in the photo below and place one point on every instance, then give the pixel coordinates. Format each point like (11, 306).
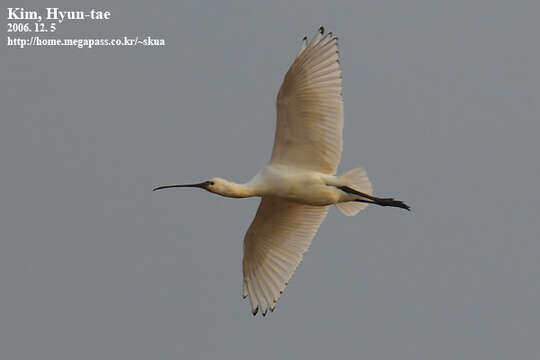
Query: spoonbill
(299, 183)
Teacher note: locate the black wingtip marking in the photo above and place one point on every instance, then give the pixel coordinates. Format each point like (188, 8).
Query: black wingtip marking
(254, 312)
(304, 38)
(321, 30)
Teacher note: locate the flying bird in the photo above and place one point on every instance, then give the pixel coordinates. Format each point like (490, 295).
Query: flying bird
(299, 183)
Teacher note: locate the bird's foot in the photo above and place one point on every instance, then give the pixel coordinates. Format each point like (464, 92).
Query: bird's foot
(392, 202)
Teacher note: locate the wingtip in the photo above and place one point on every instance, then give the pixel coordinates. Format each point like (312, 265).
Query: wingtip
(254, 311)
(321, 29)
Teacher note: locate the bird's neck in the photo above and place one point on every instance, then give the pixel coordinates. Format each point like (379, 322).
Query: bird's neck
(234, 190)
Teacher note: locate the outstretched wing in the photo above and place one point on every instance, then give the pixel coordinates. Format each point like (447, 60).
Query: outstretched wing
(273, 247)
(310, 109)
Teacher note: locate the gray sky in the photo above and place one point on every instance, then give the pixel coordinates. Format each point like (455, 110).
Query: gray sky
(441, 108)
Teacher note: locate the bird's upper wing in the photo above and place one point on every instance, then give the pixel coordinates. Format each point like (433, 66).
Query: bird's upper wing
(273, 247)
(310, 109)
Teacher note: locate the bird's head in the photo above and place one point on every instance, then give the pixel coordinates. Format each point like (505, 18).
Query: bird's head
(215, 185)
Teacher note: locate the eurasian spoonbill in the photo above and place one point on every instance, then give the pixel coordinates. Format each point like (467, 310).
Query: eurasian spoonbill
(299, 183)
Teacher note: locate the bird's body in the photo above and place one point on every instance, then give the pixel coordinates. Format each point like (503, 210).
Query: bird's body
(299, 183)
(300, 186)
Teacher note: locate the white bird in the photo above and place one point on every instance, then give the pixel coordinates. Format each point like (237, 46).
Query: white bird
(299, 183)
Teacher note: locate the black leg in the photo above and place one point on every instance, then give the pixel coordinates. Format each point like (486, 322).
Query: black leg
(375, 200)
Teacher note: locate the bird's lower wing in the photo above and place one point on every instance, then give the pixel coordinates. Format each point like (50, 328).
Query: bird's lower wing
(273, 247)
(310, 109)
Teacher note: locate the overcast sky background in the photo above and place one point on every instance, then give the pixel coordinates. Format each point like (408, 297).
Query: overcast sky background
(441, 108)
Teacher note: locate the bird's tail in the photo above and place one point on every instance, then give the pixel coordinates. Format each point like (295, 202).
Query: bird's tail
(357, 180)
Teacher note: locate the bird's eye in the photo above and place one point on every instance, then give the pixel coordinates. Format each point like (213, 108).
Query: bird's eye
(211, 183)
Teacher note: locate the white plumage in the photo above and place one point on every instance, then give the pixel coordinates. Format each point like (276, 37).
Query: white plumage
(298, 184)
(273, 247)
(308, 136)
(310, 109)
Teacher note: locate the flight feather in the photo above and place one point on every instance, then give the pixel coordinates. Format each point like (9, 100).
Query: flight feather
(310, 109)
